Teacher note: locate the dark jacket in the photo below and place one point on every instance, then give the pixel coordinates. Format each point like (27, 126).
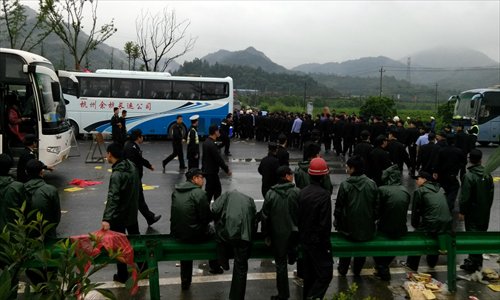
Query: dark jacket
(190, 212)
(378, 161)
(315, 216)
(398, 154)
(476, 198)
(133, 152)
(302, 178)
(123, 194)
(193, 144)
(211, 159)
(25, 156)
(279, 214)
(283, 156)
(116, 132)
(267, 168)
(363, 149)
(234, 215)
(44, 198)
(430, 212)
(394, 200)
(12, 195)
(424, 159)
(356, 208)
(177, 133)
(450, 160)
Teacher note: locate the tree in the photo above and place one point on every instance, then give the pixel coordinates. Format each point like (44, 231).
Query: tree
(66, 17)
(128, 50)
(136, 53)
(21, 32)
(378, 106)
(159, 36)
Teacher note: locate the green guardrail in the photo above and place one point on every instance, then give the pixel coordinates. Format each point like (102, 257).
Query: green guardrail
(162, 247)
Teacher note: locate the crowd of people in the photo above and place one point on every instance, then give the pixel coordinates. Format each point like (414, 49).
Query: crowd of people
(297, 208)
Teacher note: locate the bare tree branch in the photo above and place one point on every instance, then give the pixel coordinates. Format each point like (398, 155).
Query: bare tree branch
(162, 39)
(66, 19)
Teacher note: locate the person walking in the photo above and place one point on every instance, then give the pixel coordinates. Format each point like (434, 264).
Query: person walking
(476, 198)
(133, 152)
(394, 200)
(378, 160)
(122, 205)
(12, 193)
(193, 144)
(211, 163)
(123, 128)
(190, 218)
(177, 139)
(314, 224)
(234, 215)
(279, 225)
(268, 167)
(429, 214)
(355, 211)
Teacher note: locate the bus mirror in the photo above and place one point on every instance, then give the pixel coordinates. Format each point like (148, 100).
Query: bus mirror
(472, 103)
(56, 91)
(454, 98)
(66, 102)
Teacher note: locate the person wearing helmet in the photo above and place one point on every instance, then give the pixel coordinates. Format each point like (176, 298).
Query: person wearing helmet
(315, 223)
(355, 211)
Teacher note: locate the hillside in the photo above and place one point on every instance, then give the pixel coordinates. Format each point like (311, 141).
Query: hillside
(249, 57)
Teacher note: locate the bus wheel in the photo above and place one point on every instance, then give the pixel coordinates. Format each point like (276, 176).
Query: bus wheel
(484, 144)
(75, 128)
(171, 131)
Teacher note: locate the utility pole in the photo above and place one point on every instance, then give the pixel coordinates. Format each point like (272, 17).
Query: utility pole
(436, 96)
(381, 72)
(305, 94)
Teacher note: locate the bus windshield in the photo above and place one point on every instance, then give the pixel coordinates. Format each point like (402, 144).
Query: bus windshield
(53, 110)
(463, 106)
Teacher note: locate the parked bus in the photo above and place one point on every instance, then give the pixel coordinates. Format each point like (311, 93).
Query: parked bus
(483, 107)
(31, 103)
(152, 100)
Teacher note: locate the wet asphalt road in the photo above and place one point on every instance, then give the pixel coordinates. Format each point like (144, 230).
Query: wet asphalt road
(82, 212)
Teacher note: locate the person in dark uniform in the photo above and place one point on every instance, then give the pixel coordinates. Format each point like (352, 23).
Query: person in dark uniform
(190, 218)
(133, 152)
(476, 198)
(450, 160)
(425, 154)
(378, 160)
(224, 133)
(267, 168)
(364, 147)
(315, 224)
(377, 128)
(177, 139)
(412, 135)
(123, 128)
(30, 144)
(211, 163)
(193, 143)
(397, 151)
(282, 154)
(116, 127)
(355, 211)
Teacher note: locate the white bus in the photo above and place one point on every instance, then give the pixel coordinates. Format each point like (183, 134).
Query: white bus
(483, 107)
(31, 103)
(152, 100)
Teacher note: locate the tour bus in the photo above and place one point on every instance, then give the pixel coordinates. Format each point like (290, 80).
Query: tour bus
(481, 106)
(31, 103)
(152, 100)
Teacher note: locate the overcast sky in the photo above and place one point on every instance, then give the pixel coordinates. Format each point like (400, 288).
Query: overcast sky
(295, 32)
